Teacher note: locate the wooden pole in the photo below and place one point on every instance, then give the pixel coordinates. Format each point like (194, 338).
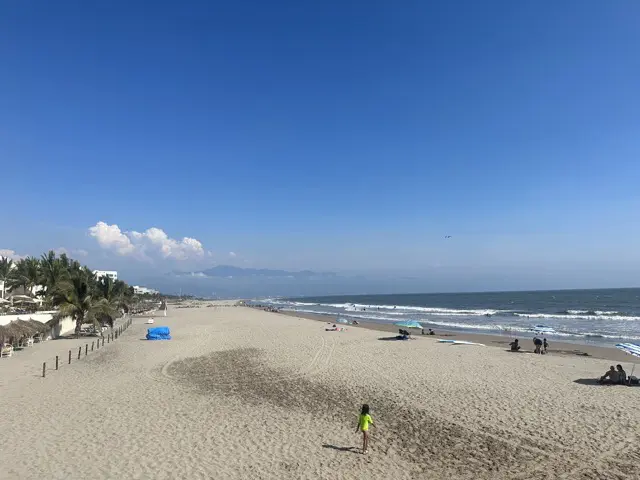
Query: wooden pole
(57, 359)
(69, 357)
(44, 369)
(92, 346)
(103, 341)
(79, 352)
(108, 338)
(86, 349)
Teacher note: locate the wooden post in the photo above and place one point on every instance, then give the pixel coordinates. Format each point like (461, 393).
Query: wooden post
(92, 346)
(86, 349)
(69, 357)
(57, 359)
(108, 338)
(79, 352)
(103, 341)
(44, 369)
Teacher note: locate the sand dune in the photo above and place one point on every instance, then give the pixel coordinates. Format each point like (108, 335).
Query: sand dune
(240, 393)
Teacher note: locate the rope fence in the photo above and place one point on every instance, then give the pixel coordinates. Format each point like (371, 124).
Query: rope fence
(111, 336)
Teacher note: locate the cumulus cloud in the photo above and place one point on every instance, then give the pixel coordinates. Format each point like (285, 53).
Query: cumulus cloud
(10, 254)
(139, 244)
(232, 254)
(111, 238)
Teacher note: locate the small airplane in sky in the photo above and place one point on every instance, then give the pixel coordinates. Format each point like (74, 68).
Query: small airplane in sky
(447, 236)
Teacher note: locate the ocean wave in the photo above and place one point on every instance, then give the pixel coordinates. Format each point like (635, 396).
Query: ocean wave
(497, 328)
(626, 318)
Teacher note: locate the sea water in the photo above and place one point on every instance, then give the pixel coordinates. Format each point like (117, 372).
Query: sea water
(603, 316)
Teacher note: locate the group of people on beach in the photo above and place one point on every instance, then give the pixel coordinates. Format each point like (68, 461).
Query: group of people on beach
(615, 376)
(540, 346)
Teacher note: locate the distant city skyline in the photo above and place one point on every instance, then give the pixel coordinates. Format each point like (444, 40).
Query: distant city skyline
(346, 137)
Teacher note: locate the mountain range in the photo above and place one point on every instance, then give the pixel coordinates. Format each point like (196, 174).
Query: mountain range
(229, 271)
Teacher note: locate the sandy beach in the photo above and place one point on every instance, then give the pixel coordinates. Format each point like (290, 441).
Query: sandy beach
(242, 393)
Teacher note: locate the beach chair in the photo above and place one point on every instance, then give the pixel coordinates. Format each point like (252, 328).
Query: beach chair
(7, 350)
(28, 342)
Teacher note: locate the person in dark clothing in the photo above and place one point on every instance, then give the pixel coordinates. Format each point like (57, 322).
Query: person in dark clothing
(515, 346)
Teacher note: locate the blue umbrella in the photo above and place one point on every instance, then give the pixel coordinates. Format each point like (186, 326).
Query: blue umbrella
(408, 324)
(631, 349)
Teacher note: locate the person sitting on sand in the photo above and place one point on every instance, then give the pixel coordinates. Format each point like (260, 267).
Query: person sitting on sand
(610, 377)
(515, 346)
(355, 322)
(431, 332)
(622, 375)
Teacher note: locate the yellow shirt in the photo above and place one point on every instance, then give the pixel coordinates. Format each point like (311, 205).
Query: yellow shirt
(364, 421)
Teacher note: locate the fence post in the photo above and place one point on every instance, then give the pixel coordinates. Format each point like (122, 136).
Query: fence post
(92, 346)
(108, 338)
(79, 352)
(44, 369)
(86, 349)
(69, 357)
(103, 341)
(57, 359)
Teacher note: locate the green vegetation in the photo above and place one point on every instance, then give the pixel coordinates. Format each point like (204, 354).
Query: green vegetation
(69, 287)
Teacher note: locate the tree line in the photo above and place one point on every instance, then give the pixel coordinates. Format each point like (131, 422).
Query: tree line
(69, 287)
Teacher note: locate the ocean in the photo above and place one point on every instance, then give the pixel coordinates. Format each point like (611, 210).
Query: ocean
(602, 316)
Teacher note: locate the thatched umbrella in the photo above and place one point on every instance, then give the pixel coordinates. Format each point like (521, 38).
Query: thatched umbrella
(11, 330)
(28, 328)
(38, 326)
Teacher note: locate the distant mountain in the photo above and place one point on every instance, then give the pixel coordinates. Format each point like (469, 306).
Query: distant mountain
(228, 271)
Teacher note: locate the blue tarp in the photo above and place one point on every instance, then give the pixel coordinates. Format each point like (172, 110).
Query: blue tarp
(158, 333)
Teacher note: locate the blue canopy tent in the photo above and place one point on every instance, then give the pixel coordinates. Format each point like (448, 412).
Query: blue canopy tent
(158, 333)
(408, 324)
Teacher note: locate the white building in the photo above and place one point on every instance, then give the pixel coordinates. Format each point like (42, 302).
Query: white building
(112, 274)
(142, 290)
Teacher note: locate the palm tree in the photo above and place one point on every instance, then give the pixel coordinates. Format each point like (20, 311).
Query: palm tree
(6, 265)
(26, 275)
(75, 298)
(52, 270)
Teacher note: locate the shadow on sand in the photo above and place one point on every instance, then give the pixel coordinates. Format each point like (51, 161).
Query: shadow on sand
(393, 338)
(340, 449)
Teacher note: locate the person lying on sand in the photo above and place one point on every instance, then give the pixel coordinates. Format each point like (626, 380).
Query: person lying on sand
(610, 377)
(515, 346)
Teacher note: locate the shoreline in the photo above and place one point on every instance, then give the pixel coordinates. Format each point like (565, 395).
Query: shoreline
(497, 341)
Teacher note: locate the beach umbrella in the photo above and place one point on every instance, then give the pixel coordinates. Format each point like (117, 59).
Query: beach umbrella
(631, 349)
(22, 299)
(38, 326)
(27, 327)
(408, 324)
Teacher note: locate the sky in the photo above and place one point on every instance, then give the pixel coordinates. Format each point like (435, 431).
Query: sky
(343, 136)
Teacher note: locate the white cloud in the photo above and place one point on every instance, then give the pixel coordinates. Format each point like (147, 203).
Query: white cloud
(232, 254)
(80, 252)
(111, 238)
(10, 254)
(152, 241)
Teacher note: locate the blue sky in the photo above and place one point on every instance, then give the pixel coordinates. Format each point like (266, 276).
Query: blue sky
(350, 136)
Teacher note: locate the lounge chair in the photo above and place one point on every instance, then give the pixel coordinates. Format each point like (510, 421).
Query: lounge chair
(7, 350)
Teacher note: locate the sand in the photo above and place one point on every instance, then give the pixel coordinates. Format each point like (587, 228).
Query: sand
(241, 393)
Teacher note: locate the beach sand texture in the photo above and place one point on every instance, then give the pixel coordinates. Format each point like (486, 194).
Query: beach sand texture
(241, 393)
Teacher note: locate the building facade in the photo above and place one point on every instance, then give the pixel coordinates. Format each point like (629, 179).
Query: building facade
(112, 274)
(142, 290)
